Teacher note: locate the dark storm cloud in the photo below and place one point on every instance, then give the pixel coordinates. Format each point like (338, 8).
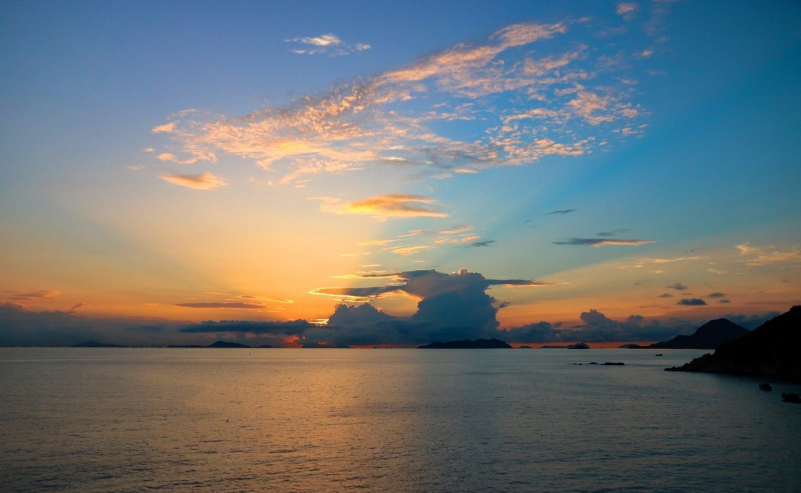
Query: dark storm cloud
(425, 283)
(678, 286)
(535, 332)
(146, 328)
(22, 327)
(597, 327)
(691, 302)
(357, 315)
(451, 306)
(751, 322)
(292, 327)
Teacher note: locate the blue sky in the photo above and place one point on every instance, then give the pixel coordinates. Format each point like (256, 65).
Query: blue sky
(183, 162)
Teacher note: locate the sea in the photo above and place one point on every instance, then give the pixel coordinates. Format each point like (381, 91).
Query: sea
(387, 420)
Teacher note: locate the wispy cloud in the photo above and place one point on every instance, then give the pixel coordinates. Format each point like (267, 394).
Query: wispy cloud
(34, 295)
(627, 9)
(234, 305)
(329, 44)
(377, 242)
(453, 230)
(529, 107)
(755, 256)
(484, 243)
(666, 260)
(561, 211)
(384, 206)
(678, 286)
(204, 181)
(408, 250)
(77, 306)
(613, 232)
(597, 242)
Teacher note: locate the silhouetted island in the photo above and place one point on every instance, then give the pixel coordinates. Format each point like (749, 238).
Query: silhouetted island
(579, 345)
(97, 344)
(769, 350)
(711, 335)
(477, 344)
(218, 344)
(225, 344)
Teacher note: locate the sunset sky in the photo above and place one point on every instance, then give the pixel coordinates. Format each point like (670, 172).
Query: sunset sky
(581, 170)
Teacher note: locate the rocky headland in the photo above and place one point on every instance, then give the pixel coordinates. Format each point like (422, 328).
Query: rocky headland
(770, 350)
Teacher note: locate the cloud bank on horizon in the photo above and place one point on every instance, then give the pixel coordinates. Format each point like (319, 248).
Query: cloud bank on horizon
(452, 306)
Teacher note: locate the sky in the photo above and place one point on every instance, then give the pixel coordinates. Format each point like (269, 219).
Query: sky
(383, 173)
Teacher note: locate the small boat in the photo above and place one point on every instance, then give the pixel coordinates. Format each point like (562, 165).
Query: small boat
(765, 386)
(659, 354)
(790, 397)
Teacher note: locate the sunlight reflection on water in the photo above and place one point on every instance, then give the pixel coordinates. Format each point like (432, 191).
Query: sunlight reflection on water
(386, 420)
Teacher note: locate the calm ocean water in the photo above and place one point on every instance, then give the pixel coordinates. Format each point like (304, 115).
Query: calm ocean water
(326, 420)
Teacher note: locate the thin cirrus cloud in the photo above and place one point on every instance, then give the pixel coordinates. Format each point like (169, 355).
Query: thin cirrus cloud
(324, 44)
(34, 295)
(408, 250)
(757, 256)
(230, 305)
(204, 181)
(526, 105)
(386, 206)
(627, 9)
(597, 242)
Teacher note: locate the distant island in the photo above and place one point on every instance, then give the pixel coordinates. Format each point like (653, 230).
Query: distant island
(711, 335)
(477, 344)
(770, 350)
(219, 344)
(97, 344)
(578, 345)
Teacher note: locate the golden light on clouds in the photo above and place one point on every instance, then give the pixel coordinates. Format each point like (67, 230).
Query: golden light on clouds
(204, 181)
(384, 206)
